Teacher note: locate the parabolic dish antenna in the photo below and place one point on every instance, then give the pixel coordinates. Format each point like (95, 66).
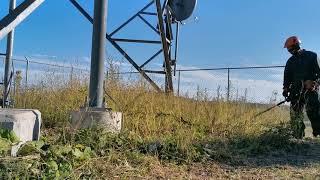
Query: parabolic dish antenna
(182, 9)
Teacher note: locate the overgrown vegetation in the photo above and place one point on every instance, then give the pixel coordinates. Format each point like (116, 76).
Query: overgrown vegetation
(159, 131)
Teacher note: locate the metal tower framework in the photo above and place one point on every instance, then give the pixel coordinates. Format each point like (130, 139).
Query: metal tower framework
(7, 25)
(164, 29)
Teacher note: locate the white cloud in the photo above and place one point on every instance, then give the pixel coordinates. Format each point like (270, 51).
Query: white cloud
(259, 90)
(43, 56)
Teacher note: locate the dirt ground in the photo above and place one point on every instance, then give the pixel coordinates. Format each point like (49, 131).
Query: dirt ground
(305, 165)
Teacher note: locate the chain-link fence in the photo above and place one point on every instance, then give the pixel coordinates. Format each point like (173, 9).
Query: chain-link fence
(30, 73)
(251, 84)
(261, 84)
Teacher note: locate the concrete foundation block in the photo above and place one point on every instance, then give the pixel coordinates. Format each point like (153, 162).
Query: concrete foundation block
(97, 117)
(25, 123)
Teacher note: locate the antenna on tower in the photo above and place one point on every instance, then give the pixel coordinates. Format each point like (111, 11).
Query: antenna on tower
(182, 9)
(168, 13)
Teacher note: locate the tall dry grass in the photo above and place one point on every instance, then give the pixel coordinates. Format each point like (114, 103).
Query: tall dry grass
(156, 128)
(155, 116)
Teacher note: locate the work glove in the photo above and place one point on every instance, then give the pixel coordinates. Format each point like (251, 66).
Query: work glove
(309, 85)
(285, 93)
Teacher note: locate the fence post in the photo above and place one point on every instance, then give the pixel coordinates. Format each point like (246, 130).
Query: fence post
(71, 75)
(27, 72)
(26, 83)
(107, 75)
(228, 88)
(179, 78)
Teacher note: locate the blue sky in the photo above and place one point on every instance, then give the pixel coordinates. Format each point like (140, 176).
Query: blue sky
(227, 33)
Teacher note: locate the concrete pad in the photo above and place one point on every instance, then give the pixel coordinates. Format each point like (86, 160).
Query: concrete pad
(97, 117)
(25, 123)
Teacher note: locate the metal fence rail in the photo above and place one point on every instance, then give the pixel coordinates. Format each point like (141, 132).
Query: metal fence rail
(249, 83)
(261, 84)
(35, 72)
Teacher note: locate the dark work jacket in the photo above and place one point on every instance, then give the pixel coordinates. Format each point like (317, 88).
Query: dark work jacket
(301, 67)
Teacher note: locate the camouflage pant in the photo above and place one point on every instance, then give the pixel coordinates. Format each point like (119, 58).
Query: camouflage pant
(296, 122)
(311, 102)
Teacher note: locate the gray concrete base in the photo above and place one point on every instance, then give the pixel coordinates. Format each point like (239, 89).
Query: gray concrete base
(97, 117)
(25, 123)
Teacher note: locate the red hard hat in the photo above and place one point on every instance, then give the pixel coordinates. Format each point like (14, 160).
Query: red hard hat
(292, 41)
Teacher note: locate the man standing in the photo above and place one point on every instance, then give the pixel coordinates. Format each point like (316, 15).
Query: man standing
(300, 87)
